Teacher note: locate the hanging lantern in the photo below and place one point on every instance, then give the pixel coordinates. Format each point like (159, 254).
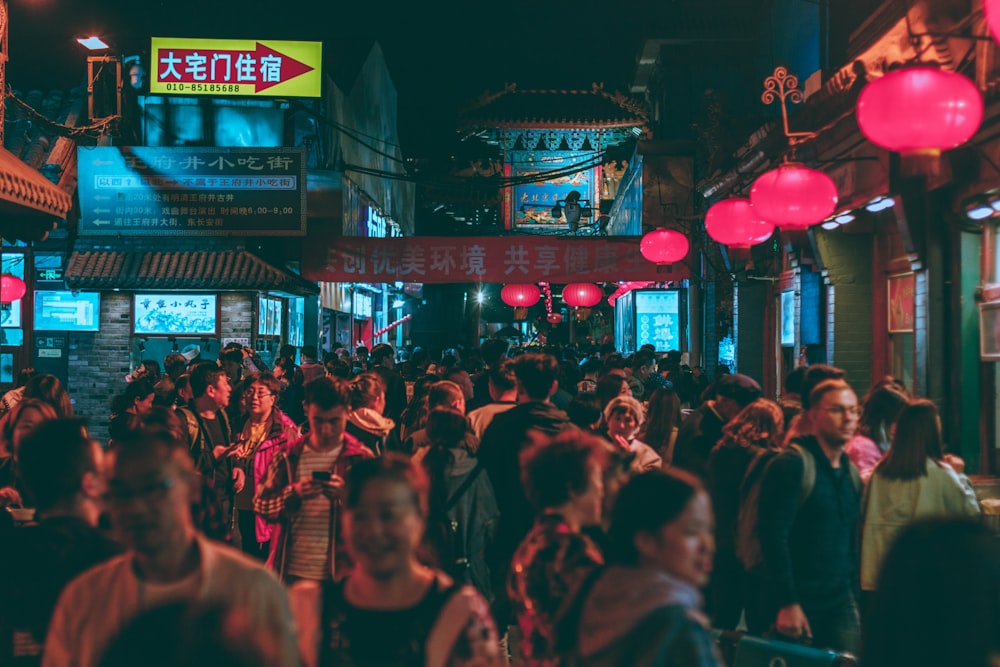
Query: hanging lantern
(664, 246)
(12, 288)
(520, 314)
(733, 223)
(793, 196)
(582, 295)
(520, 295)
(991, 11)
(554, 318)
(920, 110)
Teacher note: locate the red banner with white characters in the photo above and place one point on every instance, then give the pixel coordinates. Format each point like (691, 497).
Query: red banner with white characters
(487, 259)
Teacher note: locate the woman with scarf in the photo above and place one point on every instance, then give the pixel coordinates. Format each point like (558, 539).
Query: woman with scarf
(264, 432)
(645, 607)
(366, 421)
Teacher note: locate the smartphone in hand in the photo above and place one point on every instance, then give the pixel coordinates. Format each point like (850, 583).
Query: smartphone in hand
(321, 475)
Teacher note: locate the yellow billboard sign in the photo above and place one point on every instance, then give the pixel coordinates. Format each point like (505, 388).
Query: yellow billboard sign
(237, 67)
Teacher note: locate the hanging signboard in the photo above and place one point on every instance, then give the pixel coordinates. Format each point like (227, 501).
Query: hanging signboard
(658, 319)
(488, 259)
(171, 314)
(235, 67)
(138, 190)
(536, 203)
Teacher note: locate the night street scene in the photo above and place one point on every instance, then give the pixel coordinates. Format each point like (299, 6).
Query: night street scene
(525, 334)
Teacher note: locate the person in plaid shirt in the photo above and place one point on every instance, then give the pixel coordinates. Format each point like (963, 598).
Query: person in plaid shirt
(302, 489)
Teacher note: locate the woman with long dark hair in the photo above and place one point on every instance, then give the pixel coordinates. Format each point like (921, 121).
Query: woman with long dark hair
(915, 479)
(130, 405)
(879, 413)
(663, 419)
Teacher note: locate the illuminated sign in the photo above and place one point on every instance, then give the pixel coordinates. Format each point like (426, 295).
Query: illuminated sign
(174, 313)
(65, 311)
(235, 67)
(139, 190)
(545, 180)
(657, 319)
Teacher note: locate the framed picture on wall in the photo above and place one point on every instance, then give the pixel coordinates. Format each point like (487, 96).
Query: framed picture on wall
(902, 302)
(172, 313)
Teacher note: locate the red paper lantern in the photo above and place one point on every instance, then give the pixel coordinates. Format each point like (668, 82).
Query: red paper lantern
(554, 318)
(664, 246)
(520, 295)
(920, 110)
(991, 10)
(793, 196)
(734, 223)
(12, 288)
(582, 295)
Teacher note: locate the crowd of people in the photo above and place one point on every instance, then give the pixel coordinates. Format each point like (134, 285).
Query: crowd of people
(484, 507)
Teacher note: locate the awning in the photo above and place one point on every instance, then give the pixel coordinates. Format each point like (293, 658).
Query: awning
(203, 270)
(30, 204)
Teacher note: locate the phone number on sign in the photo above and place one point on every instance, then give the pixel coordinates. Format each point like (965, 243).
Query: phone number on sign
(204, 87)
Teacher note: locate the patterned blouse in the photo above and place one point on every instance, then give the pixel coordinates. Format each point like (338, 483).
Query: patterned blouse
(548, 571)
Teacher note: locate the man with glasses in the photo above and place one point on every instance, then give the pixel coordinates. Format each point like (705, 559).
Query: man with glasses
(150, 492)
(808, 515)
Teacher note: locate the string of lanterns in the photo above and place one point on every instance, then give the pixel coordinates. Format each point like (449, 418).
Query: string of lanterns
(389, 327)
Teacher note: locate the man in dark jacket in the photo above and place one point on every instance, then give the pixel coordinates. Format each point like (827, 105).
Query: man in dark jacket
(533, 420)
(383, 359)
(809, 541)
(63, 468)
(703, 427)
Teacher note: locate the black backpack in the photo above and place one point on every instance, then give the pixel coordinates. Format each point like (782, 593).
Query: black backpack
(443, 533)
(747, 540)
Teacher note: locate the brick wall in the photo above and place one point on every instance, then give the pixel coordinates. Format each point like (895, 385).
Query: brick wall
(237, 315)
(99, 362)
(847, 259)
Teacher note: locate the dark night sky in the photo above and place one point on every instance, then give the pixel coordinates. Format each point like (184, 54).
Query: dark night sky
(441, 54)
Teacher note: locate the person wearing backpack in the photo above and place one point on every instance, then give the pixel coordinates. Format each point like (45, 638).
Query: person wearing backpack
(807, 526)
(755, 431)
(463, 514)
(556, 561)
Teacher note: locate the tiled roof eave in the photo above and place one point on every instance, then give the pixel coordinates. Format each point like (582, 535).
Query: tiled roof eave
(230, 270)
(494, 123)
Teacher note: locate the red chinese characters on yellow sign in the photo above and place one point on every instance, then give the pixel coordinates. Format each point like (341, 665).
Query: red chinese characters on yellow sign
(236, 67)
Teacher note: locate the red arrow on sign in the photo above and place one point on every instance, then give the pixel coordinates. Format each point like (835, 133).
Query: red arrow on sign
(264, 67)
(290, 67)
